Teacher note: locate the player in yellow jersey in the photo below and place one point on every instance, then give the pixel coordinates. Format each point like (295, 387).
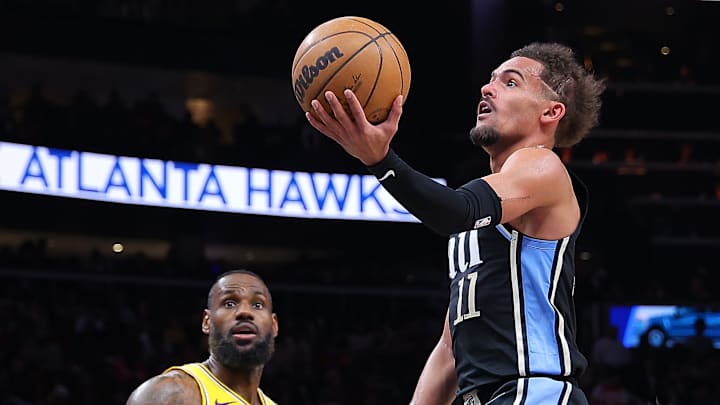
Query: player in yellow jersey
(241, 328)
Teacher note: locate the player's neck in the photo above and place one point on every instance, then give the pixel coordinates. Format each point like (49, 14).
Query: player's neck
(498, 157)
(244, 384)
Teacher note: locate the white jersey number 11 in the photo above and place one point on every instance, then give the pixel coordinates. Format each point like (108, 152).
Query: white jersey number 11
(472, 310)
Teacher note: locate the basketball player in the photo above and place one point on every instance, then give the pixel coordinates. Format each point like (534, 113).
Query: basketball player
(241, 329)
(509, 333)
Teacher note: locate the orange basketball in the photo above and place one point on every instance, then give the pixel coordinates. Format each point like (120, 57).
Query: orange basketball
(351, 53)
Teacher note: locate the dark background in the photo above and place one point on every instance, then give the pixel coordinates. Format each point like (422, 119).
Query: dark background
(360, 303)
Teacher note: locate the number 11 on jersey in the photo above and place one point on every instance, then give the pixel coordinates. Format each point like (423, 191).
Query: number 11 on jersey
(472, 311)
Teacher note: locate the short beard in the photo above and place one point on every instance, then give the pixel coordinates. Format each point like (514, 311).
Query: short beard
(484, 136)
(234, 357)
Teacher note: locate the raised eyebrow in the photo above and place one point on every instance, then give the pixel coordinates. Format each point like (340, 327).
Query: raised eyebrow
(507, 71)
(258, 294)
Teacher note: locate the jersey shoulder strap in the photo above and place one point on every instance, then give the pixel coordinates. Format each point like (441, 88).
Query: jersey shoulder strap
(212, 390)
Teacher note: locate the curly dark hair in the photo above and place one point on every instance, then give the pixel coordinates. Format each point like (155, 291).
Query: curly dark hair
(576, 87)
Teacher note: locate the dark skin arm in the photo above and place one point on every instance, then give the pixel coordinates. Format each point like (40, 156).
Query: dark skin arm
(174, 387)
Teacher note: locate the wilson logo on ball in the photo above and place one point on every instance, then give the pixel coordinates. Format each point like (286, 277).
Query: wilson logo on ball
(308, 73)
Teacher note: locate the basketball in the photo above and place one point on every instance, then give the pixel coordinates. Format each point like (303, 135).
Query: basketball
(353, 53)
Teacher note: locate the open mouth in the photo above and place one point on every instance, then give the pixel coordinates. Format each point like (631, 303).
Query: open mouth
(484, 108)
(244, 332)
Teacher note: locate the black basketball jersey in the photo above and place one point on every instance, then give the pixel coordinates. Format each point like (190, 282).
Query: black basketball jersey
(511, 310)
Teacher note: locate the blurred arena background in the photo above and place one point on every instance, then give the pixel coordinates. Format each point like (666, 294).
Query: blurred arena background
(95, 296)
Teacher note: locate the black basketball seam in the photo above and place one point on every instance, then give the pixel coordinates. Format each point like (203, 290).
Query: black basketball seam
(380, 67)
(377, 75)
(397, 59)
(363, 21)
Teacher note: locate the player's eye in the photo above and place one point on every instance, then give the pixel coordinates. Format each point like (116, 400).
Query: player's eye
(511, 83)
(229, 303)
(258, 305)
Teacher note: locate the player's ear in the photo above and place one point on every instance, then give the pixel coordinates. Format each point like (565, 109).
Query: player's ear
(206, 322)
(554, 111)
(275, 326)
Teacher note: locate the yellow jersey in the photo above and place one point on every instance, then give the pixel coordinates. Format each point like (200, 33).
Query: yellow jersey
(212, 390)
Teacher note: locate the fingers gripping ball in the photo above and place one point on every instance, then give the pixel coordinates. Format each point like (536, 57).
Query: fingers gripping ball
(351, 53)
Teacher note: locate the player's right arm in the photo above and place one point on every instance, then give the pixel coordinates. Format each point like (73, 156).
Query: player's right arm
(437, 383)
(440, 208)
(174, 387)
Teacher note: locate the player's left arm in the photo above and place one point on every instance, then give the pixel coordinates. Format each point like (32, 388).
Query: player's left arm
(437, 383)
(531, 178)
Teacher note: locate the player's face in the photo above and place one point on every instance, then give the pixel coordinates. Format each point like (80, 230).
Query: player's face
(512, 104)
(240, 322)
